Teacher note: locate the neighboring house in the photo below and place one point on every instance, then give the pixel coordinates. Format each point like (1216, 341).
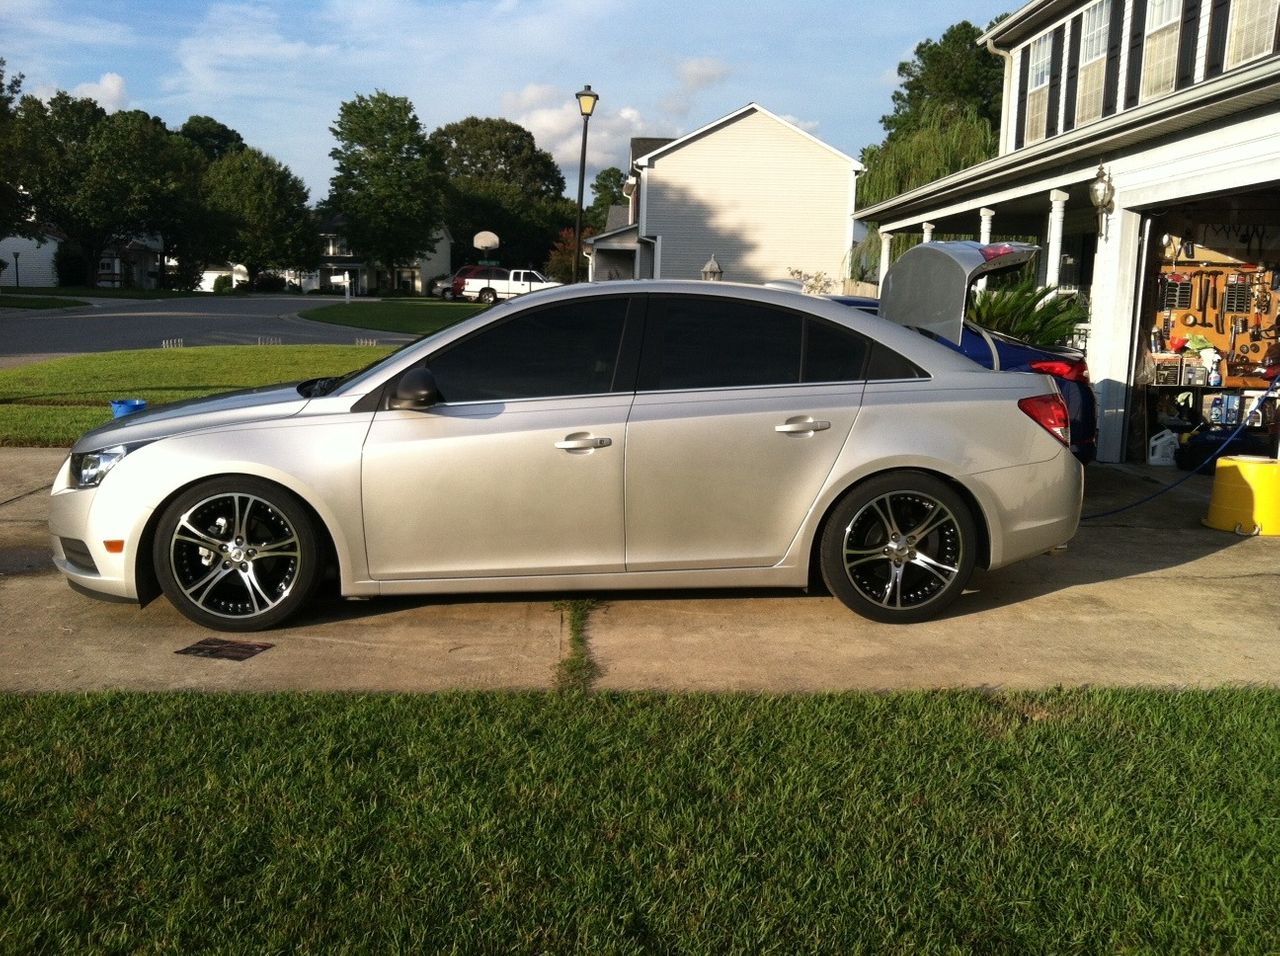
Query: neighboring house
(33, 265)
(756, 192)
(132, 264)
(1173, 104)
(337, 263)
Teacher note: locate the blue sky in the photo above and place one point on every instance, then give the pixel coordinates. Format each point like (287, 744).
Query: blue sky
(277, 70)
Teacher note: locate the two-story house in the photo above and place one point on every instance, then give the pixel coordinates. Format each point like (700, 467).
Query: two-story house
(1140, 142)
(751, 189)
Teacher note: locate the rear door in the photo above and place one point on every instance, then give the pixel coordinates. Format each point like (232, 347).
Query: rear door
(741, 412)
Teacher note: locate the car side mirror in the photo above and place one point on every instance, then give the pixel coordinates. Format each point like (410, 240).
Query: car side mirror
(416, 389)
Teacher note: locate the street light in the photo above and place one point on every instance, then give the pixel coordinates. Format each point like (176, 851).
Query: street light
(586, 106)
(17, 274)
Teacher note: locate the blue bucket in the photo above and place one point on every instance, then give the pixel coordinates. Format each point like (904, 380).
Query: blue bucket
(121, 407)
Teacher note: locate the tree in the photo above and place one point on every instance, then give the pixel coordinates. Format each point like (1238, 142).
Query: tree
(258, 211)
(498, 150)
(953, 73)
(389, 182)
(15, 209)
(100, 179)
(499, 180)
(560, 261)
(211, 137)
(606, 191)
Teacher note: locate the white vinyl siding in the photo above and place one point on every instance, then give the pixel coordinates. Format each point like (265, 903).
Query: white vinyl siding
(1252, 30)
(760, 196)
(1038, 88)
(1093, 62)
(34, 267)
(1160, 48)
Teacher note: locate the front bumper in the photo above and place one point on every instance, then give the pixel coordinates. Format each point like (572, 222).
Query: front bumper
(81, 521)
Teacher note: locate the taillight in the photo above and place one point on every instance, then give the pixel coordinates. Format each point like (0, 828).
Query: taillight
(1050, 413)
(990, 252)
(1076, 371)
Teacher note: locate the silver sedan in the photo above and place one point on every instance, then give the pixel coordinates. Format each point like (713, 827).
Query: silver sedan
(625, 435)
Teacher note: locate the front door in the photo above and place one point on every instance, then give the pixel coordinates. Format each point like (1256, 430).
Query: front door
(519, 469)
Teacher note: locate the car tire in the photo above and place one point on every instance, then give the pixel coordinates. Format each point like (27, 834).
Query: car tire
(899, 548)
(236, 554)
(488, 296)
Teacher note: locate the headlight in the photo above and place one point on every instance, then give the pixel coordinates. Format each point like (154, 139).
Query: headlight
(90, 467)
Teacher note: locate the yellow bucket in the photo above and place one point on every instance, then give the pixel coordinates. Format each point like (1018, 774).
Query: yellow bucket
(1246, 496)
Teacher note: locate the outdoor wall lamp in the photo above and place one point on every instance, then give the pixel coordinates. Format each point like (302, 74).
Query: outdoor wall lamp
(712, 272)
(1102, 193)
(586, 106)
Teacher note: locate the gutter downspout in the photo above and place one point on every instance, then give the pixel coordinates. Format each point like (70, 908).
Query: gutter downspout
(1006, 99)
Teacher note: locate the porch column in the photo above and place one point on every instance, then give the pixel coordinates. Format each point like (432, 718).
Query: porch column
(928, 231)
(886, 241)
(1057, 214)
(985, 216)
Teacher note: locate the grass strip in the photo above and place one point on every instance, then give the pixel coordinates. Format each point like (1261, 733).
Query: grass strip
(1083, 820)
(577, 669)
(51, 404)
(37, 302)
(415, 316)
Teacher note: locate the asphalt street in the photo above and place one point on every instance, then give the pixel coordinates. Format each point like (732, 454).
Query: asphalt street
(107, 324)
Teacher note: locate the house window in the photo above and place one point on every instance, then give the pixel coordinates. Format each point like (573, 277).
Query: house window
(1093, 62)
(336, 246)
(1038, 88)
(1160, 49)
(1252, 30)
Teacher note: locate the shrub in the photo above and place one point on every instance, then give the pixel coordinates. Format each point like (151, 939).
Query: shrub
(1040, 316)
(71, 264)
(268, 282)
(222, 285)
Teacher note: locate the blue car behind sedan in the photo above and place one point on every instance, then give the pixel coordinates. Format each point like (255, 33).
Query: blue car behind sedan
(994, 350)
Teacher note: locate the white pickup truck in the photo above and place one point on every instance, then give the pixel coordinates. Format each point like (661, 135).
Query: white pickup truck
(494, 284)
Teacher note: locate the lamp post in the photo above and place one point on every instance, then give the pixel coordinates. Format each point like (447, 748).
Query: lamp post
(586, 106)
(17, 273)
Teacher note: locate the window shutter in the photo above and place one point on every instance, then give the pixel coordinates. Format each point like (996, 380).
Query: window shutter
(1219, 14)
(1187, 37)
(1024, 73)
(1055, 82)
(1073, 77)
(1137, 36)
(1115, 41)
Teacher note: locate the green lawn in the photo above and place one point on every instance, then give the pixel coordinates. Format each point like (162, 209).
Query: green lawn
(1080, 821)
(52, 403)
(15, 301)
(416, 316)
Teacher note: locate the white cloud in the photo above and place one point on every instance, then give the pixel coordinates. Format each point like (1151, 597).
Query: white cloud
(693, 76)
(109, 92)
(808, 126)
(552, 116)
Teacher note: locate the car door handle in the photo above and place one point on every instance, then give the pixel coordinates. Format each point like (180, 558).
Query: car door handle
(801, 426)
(579, 442)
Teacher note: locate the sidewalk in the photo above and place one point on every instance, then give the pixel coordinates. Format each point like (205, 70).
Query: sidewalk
(1148, 597)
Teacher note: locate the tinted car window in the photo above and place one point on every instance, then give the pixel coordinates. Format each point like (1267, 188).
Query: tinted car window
(833, 353)
(566, 349)
(700, 342)
(885, 363)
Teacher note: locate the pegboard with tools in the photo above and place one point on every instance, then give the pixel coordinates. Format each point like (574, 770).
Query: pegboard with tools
(1220, 303)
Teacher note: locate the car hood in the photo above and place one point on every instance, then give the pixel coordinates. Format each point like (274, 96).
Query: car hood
(928, 287)
(254, 404)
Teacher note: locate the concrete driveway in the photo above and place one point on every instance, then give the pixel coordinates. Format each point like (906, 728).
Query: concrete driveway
(1148, 596)
(107, 324)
